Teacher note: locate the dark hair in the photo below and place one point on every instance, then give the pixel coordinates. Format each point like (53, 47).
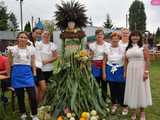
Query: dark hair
(98, 31)
(36, 28)
(22, 33)
(134, 33)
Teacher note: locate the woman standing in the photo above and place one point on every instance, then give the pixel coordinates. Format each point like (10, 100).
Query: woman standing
(137, 91)
(114, 73)
(22, 59)
(35, 36)
(97, 49)
(48, 52)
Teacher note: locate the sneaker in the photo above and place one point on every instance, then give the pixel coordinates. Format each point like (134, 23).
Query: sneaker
(34, 117)
(23, 116)
(114, 109)
(125, 111)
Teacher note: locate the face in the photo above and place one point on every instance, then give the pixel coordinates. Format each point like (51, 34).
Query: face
(71, 25)
(125, 33)
(135, 39)
(100, 36)
(37, 33)
(22, 39)
(115, 41)
(46, 36)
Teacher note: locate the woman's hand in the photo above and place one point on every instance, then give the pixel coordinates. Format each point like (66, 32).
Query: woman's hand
(146, 75)
(125, 75)
(45, 62)
(104, 76)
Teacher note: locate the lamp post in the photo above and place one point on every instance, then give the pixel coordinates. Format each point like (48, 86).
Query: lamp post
(21, 14)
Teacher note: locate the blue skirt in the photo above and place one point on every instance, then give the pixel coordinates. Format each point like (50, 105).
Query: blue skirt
(96, 71)
(22, 76)
(116, 76)
(97, 68)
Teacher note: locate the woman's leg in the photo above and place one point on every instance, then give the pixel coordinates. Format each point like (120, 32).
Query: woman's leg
(133, 116)
(142, 114)
(103, 85)
(121, 89)
(104, 89)
(21, 96)
(41, 88)
(113, 92)
(32, 99)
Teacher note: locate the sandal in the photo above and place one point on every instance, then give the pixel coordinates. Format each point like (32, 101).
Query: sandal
(125, 111)
(114, 109)
(142, 116)
(133, 117)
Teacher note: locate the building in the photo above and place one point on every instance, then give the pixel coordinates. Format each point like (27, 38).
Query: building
(7, 38)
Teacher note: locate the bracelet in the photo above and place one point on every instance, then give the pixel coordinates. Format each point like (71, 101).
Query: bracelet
(146, 71)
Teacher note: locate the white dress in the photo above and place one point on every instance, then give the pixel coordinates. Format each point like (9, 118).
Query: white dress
(137, 91)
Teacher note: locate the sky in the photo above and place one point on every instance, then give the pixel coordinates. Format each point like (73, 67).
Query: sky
(96, 9)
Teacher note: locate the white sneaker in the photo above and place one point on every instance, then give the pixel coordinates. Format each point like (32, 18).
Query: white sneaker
(34, 117)
(23, 116)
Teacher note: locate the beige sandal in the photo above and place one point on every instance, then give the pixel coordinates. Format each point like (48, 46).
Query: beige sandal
(125, 111)
(114, 109)
(142, 116)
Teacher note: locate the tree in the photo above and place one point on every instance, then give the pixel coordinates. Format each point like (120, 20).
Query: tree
(13, 21)
(137, 16)
(158, 35)
(108, 22)
(3, 18)
(49, 25)
(27, 27)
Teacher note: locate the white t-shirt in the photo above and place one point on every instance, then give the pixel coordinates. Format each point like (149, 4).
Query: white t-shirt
(46, 51)
(123, 45)
(22, 55)
(38, 59)
(98, 50)
(115, 55)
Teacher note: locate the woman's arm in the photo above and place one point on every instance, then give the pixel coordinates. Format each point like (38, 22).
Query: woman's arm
(125, 65)
(146, 66)
(104, 67)
(54, 57)
(10, 62)
(33, 65)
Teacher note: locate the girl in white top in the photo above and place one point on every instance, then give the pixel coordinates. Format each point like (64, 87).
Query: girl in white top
(41, 86)
(114, 72)
(48, 52)
(22, 59)
(124, 38)
(97, 50)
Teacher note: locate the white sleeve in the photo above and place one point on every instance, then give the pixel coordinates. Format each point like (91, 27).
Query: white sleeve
(106, 51)
(32, 50)
(53, 47)
(106, 48)
(91, 46)
(12, 49)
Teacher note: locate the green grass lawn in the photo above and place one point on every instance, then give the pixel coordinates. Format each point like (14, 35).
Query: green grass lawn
(152, 112)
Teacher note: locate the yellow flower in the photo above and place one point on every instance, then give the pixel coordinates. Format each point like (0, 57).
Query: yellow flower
(83, 53)
(85, 115)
